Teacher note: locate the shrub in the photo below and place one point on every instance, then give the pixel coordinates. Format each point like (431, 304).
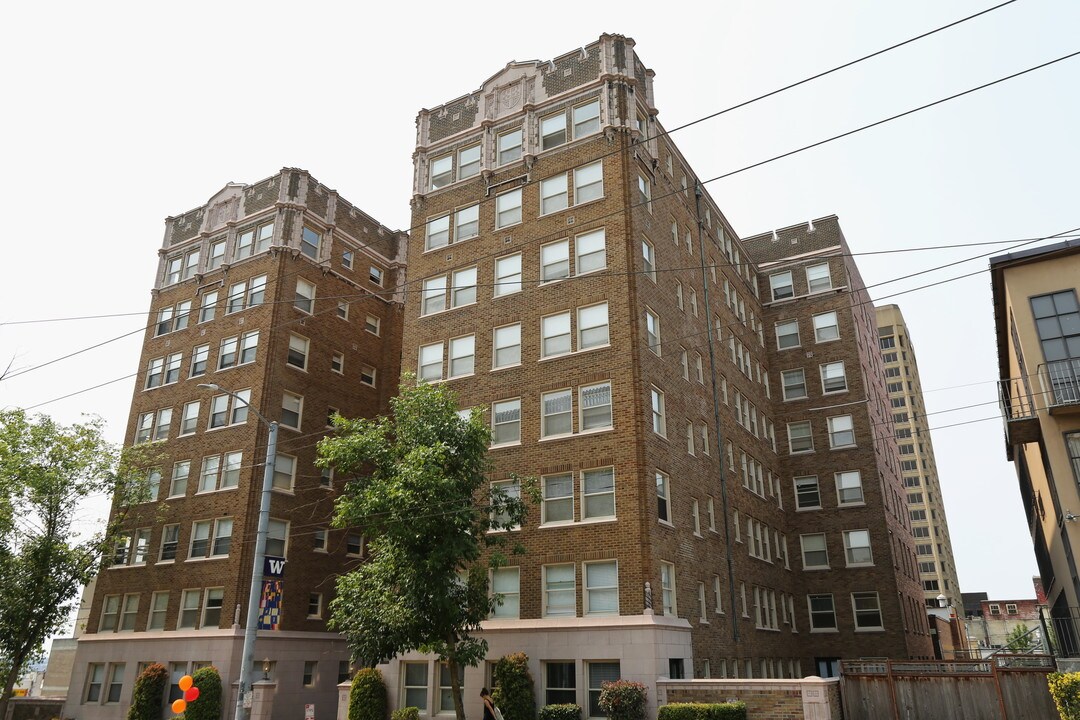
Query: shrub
(208, 706)
(567, 711)
(367, 698)
(148, 695)
(405, 713)
(702, 711)
(1065, 688)
(623, 700)
(513, 694)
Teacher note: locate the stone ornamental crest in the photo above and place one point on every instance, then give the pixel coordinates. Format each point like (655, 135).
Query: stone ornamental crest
(510, 97)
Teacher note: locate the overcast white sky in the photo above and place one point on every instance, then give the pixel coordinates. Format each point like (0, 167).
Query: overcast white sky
(120, 114)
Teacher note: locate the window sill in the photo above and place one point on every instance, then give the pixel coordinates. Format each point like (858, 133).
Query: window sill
(571, 523)
(506, 367)
(605, 346)
(844, 447)
(164, 562)
(209, 492)
(809, 509)
(859, 565)
(793, 399)
(817, 568)
(666, 523)
(870, 630)
(206, 559)
(851, 505)
(824, 630)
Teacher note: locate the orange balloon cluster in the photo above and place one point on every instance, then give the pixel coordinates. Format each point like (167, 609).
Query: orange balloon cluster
(191, 694)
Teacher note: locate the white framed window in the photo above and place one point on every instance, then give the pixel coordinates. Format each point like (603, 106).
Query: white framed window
(659, 422)
(648, 256)
(598, 493)
(866, 607)
(592, 322)
(508, 209)
(509, 147)
(373, 325)
(833, 377)
(200, 356)
(310, 242)
(841, 432)
(508, 275)
(164, 424)
(800, 437)
(818, 278)
(699, 369)
(229, 352)
(225, 410)
(347, 259)
(179, 480)
(190, 602)
(210, 474)
(506, 344)
(711, 512)
(292, 408)
(462, 356)
(554, 195)
(787, 334)
(437, 232)
(304, 300)
(557, 413)
(159, 608)
(693, 302)
(318, 543)
(297, 356)
(589, 182)
(781, 286)
(594, 402)
(209, 307)
(230, 469)
(375, 275)
(337, 363)
(826, 327)
(793, 383)
(815, 553)
(663, 497)
(506, 421)
(558, 499)
(277, 538)
(553, 131)
(695, 515)
(601, 580)
(668, 590)
(807, 493)
(690, 440)
(644, 193)
(110, 614)
(857, 548)
(434, 295)
(466, 223)
(555, 334)
(701, 602)
(590, 251)
(249, 347)
(414, 689)
(849, 489)
(170, 540)
(555, 261)
(468, 162)
(254, 240)
(506, 586)
(586, 118)
(367, 375)
(442, 171)
(430, 362)
(354, 545)
(560, 590)
(679, 296)
(652, 331)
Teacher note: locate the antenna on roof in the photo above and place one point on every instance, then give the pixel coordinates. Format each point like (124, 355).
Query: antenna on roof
(810, 226)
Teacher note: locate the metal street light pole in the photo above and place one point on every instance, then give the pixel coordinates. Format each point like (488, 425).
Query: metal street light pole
(251, 625)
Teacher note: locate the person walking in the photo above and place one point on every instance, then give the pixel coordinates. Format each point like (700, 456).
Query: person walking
(490, 712)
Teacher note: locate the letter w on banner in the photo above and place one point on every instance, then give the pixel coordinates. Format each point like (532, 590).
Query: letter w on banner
(270, 605)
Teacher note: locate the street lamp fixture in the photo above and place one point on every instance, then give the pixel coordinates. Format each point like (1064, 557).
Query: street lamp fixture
(251, 625)
(942, 600)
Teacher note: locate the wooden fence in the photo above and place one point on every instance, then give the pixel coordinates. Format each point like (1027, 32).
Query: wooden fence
(1006, 687)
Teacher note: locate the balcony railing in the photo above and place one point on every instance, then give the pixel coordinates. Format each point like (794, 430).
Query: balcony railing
(1056, 389)
(1060, 381)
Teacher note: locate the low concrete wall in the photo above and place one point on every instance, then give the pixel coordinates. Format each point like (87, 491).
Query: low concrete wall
(811, 698)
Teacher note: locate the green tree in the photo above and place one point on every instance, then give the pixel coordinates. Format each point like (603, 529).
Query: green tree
(47, 470)
(149, 693)
(513, 694)
(367, 696)
(423, 499)
(1018, 640)
(208, 705)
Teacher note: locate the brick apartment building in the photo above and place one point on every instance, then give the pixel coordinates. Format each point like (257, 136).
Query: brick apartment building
(289, 296)
(707, 416)
(926, 505)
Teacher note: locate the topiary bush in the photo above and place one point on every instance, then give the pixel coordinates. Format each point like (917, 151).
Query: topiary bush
(567, 711)
(1065, 689)
(208, 706)
(367, 698)
(623, 700)
(406, 713)
(702, 711)
(513, 692)
(149, 693)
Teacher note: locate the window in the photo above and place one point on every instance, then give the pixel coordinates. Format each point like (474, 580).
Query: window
(347, 259)
(249, 347)
(509, 147)
(663, 497)
(110, 614)
(190, 602)
(787, 334)
(1011, 608)
(841, 432)
(833, 378)
(849, 488)
(559, 591)
(170, 536)
(648, 254)
(598, 493)
(212, 607)
(560, 683)
(220, 405)
(466, 223)
(815, 554)
(310, 242)
(431, 362)
(468, 162)
(315, 602)
(595, 404)
(372, 324)
(693, 302)
(116, 683)
(825, 327)
(508, 275)
(277, 537)
(506, 585)
(667, 589)
(867, 609)
(354, 545)
(1058, 323)
(230, 469)
(592, 324)
(159, 608)
(445, 697)
(462, 356)
(434, 295)
(557, 413)
(794, 384)
(807, 493)
(414, 688)
(95, 679)
(822, 613)
(506, 421)
(601, 588)
(554, 195)
(659, 424)
(644, 193)
(781, 285)
(343, 310)
(555, 334)
(818, 278)
(857, 547)
(209, 306)
(164, 422)
(588, 183)
(590, 251)
(298, 352)
(305, 296)
(292, 407)
(699, 369)
(254, 240)
(442, 171)
(337, 363)
(308, 680)
(318, 541)
(178, 484)
(506, 342)
(284, 472)
(652, 331)
(508, 209)
(600, 673)
(800, 437)
(367, 375)
(375, 275)
(555, 261)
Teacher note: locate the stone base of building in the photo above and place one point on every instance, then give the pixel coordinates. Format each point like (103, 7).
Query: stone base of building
(811, 698)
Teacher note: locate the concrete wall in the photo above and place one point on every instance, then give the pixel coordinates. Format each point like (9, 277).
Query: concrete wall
(811, 698)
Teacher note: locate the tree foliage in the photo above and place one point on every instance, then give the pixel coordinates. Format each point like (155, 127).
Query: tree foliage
(367, 696)
(1065, 689)
(208, 704)
(623, 700)
(1020, 639)
(421, 497)
(514, 694)
(47, 470)
(149, 693)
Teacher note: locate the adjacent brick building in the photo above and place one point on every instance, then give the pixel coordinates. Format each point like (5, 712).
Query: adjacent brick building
(289, 296)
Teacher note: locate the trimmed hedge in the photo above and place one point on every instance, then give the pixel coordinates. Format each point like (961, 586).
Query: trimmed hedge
(566, 711)
(406, 713)
(513, 692)
(208, 706)
(367, 698)
(623, 700)
(149, 693)
(702, 711)
(1065, 689)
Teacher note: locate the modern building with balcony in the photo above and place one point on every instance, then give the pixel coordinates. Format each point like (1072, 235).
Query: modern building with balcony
(1037, 321)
